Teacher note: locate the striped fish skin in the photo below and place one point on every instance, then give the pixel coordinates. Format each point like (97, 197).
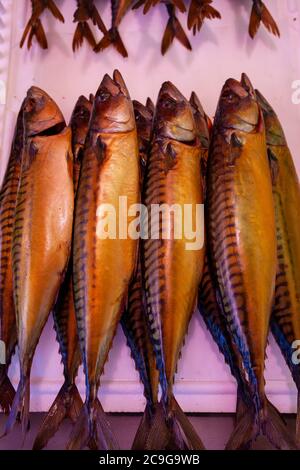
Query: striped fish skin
(41, 238)
(79, 124)
(103, 268)
(209, 306)
(8, 200)
(134, 318)
(240, 208)
(172, 273)
(64, 312)
(286, 192)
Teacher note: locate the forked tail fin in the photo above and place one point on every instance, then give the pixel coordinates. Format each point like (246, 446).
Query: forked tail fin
(200, 10)
(67, 404)
(7, 392)
(83, 31)
(140, 440)
(259, 14)
(34, 28)
(112, 37)
(92, 430)
(174, 30)
(20, 407)
(171, 430)
(250, 426)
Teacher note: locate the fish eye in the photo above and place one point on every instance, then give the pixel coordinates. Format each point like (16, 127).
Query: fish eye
(168, 103)
(137, 116)
(103, 95)
(229, 96)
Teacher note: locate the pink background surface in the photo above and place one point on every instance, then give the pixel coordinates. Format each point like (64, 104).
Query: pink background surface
(223, 49)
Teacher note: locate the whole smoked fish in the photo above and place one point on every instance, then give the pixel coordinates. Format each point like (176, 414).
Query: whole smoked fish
(68, 402)
(208, 304)
(42, 232)
(285, 320)
(103, 266)
(172, 272)
(34, 26)
(134, 318)
(8, 200)
(242, 246)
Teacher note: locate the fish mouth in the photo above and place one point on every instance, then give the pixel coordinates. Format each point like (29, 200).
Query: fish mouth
(169, 89)
(264, 104)
(142, 110)
(242, 89)
(112, 86)
(273, 137)
(196, 104)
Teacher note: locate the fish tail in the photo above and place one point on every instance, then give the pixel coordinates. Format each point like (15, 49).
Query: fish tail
(7, 391)
(83, 31)
(92, 429)
(268, 423)
(35, 28)
(259, 14)
(112, 37)
(171, 430)
(20, 407)
(198, 11)
(67, 404)
(174, 30)
(97, 20)
(241, 404)
(55, 11)
(141, 436)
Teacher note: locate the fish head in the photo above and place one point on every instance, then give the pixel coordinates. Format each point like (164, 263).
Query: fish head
(150, 106)
(274, 132)
(238, 108)
(143, 119)
(173, 115)
(202, 121)
(41, 113)
(113, 110)
(79, 123)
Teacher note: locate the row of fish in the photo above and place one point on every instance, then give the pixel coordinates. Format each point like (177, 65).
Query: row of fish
(243, 280)
(87, 14)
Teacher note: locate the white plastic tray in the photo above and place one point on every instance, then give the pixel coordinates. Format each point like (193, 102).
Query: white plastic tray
(222, 49)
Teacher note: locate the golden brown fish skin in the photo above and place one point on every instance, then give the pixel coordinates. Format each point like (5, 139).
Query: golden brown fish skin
(68, 402)
(174, 163)
(238, 216)
(285, 322)
(242, 243)
(79, 123)
(102, 267)
(171, 272)
(8, 200)
(41, 239)
(103, 181)
(134, 319)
